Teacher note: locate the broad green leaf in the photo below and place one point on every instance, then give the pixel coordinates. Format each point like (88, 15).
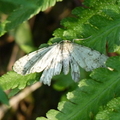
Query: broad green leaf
(3, 97)
(84, 102)
(23, 12)
(23, 37)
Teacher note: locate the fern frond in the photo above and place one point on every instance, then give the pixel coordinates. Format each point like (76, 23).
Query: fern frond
(24, 11)
(99, 23)
(111, 111)
(12, 80)
(84, 102)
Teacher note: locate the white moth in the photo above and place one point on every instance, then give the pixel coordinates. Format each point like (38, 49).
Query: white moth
(62, 56)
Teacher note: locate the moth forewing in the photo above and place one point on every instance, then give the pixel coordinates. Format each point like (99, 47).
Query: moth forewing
(76, 54)
(91, 59)
(103, 60)
(53, 68)
(58, 62)
(44, 61)
(24, 64)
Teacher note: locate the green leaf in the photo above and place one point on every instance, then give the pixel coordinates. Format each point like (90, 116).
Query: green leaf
(13, 92)
(4, 7)
(13, 80)
(63, 81)
(97, 3)
(99, 24)
(42, 118)
(3, 97)
(26, 3)
(111, 111)
(84, 102)
(23, 37)
(115, 61)
(23, 12)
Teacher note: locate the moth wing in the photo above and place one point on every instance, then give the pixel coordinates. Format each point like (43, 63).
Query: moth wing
(91, 58)
(77, 55)
(54, 68)
(24, 64)
(45, 60)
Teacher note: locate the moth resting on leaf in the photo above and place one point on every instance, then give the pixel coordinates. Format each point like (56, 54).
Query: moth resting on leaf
(63, 56)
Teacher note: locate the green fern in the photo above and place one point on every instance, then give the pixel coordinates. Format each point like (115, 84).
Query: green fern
(25, 9)
(13, 80)
(100, 24)
(111, 111)
(83, 103)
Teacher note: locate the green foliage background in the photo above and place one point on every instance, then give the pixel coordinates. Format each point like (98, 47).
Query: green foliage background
(99, 22)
